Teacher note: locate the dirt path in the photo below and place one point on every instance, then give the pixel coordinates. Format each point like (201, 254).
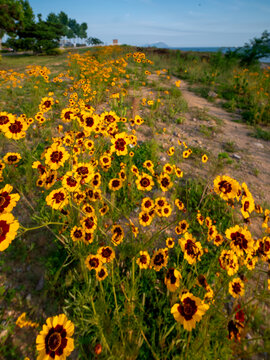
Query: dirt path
(220, 132)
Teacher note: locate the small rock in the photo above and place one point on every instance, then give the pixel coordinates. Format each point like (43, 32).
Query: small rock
(194, 119)
(3, 333)
(163, 158)
(175, 134)
(28, 298)
(40, 284)
(259, 145)
(212, 94)
(237, 157)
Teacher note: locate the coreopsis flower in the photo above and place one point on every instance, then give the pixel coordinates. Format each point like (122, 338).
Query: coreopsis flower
(57, 199)
(248, 206)
(93, 262)
(264, 248)
(49, 178)
(240, 239)
(84, 172)
(15, 129)
(218, 239)
(179, 204)
(212, 232)
(118, 234)
(138, 120)
(236, 288)
(56, 156)
(145, 182)
(204, 158)
(5, 119)
(235, 329)
(46, 104)
(143, 260)
(172, 279)
(105, 161)
(191, 248)
(77, 233)
(200, 218)
(177, 83)
(170, 242)
(182, 227)
(226, 187)
(104, 209)
(70, 183)
(166, 210)
(189, 311)
(147, 204)
(120, 144)
(8, 230)
(159, 260)
(115, 184)
(12, 158)
(90, 121)
(7, 200)
(102, 273)
(165, 182)
(145, 217)
(106, 253)
(67, 114)
(55, 341)
(168, 168)
(178, 172)
(228, 261)
(89, 223)
(148, 164)
(170, 152)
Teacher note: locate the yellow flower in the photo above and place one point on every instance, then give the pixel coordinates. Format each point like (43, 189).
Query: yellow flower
(144, 260)
(7, 200)
(189, 311)
(57, 199)
(145, 182)
(236, 288)
(8, 230)
(56, 156)
(226, 187)
(172, 279)
(54, 341)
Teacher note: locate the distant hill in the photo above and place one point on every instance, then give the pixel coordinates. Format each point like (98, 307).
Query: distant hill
(160, 45)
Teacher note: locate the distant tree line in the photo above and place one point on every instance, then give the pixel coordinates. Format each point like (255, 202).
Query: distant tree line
(17, 20)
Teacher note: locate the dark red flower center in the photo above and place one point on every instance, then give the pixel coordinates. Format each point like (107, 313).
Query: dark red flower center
(4, 201)
(15, 127)
(159, 259)
(4, 229)
(58, 197)
(56, 156)
(106, 253)
(188, 308)
(239, 240)
(225, 186)
(4, 120)
(145, 182)
(120, 144)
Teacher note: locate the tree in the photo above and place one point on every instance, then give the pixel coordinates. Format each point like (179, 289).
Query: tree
(251, 52)
(11, 17)
(94, 41)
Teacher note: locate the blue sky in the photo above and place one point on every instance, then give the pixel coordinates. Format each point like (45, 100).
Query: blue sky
(183, 23)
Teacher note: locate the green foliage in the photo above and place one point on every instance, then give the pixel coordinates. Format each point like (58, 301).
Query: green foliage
(251, 52)
(11, 16)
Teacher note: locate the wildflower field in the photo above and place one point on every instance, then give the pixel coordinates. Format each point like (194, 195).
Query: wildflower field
(111, 246)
